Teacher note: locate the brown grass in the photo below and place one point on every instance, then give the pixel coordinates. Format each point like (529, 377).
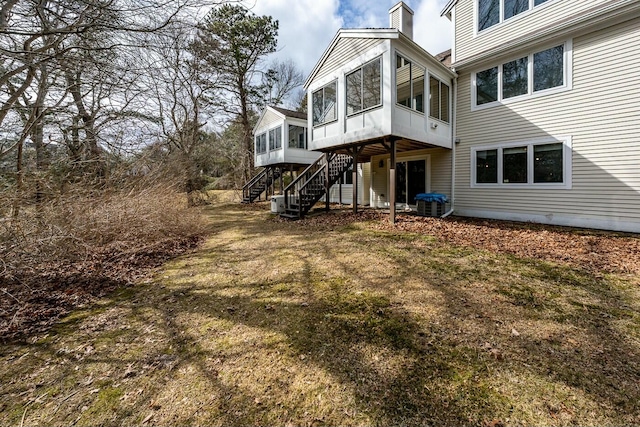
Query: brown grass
(83, 243)
(287, 323)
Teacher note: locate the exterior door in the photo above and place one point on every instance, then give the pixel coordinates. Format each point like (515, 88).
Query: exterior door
(411, 180)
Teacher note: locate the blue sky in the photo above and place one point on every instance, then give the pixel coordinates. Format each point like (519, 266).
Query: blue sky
(308, 26)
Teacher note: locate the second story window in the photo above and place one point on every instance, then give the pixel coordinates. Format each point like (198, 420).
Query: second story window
(533, 74)
(324, 104)
(275, 138)
(409, 84)
(261, 143)
(364, 87)
(492, 12)
(297, 137)
(438, 100)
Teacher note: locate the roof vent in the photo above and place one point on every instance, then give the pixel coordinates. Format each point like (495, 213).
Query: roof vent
(401, 17)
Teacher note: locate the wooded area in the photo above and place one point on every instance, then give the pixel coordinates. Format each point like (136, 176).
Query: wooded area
(116, 116)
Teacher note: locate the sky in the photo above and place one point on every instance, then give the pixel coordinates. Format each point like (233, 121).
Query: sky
(308, 26)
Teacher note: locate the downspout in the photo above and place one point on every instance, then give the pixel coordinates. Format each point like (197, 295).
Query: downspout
(454, 116)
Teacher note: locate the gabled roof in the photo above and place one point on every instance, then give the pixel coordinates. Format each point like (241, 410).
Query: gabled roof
(371, 33)
(291, 113)
(449, 6)
(378, 33)
(283, 113)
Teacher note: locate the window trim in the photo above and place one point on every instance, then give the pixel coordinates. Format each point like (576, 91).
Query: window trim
(322, 88)
(531, 94)
(501, 20)
(269, 138)
(567, 150)
(449, 101)
(361, 69)
(425, 82)
(266, 143)
(304, 133)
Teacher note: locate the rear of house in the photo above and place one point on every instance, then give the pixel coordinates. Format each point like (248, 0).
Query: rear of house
(547, 114)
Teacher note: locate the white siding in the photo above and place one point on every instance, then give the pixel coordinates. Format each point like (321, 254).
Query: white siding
(601, 114)
(536, 22)
(345, 50)
(268, 119)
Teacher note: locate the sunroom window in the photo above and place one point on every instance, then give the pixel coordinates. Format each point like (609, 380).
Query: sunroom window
(409, 84)
(438, 99)
(275, 138)
(324, 104)
(539, 164)
(297, 137)
(492, 12)
(261, 143)
(364, 87)
(512, 79)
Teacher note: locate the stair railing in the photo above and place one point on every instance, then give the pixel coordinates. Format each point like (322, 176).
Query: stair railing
(316, 174)
(246, 189)
(297, 184)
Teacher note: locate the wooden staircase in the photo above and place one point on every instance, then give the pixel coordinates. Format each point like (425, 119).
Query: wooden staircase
(309, 187)
(259, 184)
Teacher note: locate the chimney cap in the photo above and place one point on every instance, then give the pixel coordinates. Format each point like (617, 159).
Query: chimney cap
(401, 4)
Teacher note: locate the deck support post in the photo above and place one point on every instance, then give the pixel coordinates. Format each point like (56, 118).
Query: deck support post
(355, 153)
(281, 180)
(327, 159)
(392, 183)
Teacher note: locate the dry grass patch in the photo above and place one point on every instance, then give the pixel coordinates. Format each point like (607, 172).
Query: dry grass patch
(291, 323)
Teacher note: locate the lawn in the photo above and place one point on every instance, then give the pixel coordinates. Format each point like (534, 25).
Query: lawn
(341, 322)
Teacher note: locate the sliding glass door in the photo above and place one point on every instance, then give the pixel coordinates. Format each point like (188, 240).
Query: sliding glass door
(411, 179)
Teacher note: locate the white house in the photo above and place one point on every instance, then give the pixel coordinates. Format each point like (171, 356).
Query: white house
(379, 97)
(535, 118)
(280, 146)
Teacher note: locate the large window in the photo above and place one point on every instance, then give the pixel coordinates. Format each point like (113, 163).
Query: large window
(492, 12)
(364, 87)
(297, 137)
(324, 104)
(275, 138)
(529, 75)
(261, 143)
(438, 100)
(409, 84)
(543, 164)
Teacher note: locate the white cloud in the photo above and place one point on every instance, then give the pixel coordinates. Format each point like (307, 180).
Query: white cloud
(430, 30)
(308, 26)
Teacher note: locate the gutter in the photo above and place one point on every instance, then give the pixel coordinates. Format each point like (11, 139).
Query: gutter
(453, 147)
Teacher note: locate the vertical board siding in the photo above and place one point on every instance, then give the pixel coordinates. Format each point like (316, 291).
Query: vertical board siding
(469, 44)
(601, 114)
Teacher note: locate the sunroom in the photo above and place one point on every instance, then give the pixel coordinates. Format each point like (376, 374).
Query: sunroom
(375, 93)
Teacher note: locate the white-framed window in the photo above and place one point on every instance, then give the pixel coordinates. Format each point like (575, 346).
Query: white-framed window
(325, 109)
(540, 73)
(275, 138)
(535, 164)
(261, 143)
(494, 12)
(297, 137)
(438, 99)
(409, 84)
(364, 87)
